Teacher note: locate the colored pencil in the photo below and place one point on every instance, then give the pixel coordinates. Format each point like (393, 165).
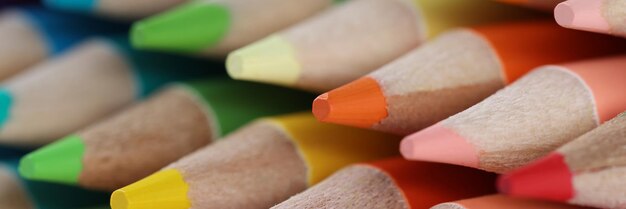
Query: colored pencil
(545, 5)
(17, 193)
(216, 27)
(29, 35)
(354, 39)
(541, 111)
(453, 72)
(503, 202)
(393, 183)
(116, 152)
(587, 171)
(84, 85)
(601, 16)
(257, 166)
(115, 9)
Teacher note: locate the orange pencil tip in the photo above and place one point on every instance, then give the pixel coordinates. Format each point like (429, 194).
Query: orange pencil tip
(360, 103)
(321, 107)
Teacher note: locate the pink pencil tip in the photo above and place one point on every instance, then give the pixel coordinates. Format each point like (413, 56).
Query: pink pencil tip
(439, 144)
(582, 15)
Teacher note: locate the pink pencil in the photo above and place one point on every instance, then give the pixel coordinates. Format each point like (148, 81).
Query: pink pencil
(600, 16)
(533, 116)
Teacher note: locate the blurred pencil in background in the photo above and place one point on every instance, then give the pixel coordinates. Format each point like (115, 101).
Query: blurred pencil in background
(115, 9)
(600, 16)
(354, 39)
(453, 72)
(17, 193)
(393, 183)
(84, 85)
(587, 171)
(29, 35)
(147, 137)
(548, 107)
(503, 202)
(257, 166)
(216, 27)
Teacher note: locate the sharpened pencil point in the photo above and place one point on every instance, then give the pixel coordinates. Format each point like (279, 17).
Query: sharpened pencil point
(271, 60)
(360, 103)
(548, 178)
(189, 28)
(582, 15)
(321, 108)
(72, 5)
(60, 162)
(119, 200)
(163, 190)
(439, 144)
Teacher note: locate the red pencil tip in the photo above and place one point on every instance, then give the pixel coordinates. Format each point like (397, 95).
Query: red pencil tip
(548, 178)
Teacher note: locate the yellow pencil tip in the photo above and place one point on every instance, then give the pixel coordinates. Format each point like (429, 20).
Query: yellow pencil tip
(162, 190)
(119, 200)
(271, 60)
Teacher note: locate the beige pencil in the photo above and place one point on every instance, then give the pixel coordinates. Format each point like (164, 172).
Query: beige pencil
(86, 84)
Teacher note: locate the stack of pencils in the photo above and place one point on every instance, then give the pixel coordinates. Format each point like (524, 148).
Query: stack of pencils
(357, 104)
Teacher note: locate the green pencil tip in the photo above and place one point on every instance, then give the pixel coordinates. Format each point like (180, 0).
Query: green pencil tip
(190, 28)
(60, 162)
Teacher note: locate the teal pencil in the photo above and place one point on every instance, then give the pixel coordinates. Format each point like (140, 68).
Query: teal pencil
(29, 35)
(88, 83)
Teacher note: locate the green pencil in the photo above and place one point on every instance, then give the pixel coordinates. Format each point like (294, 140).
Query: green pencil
(142, 139)
(216, 27)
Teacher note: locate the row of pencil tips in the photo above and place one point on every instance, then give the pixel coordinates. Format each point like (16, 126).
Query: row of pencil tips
(420, 104)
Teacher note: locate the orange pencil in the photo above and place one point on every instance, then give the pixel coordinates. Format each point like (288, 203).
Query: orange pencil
(393, 183)
(587, 171)
(503, 202)
(538, 113)
(545, 5)
(453, 72)
(601, 16)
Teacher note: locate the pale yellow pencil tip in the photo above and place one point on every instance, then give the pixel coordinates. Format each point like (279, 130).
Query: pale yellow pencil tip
(162, 190)
(271, 60)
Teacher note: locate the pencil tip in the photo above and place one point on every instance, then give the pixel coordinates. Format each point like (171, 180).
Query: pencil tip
(321, 108)
(271, 60)
(72, 5)
(582, 15)
(6, 102)
(189, 28)
(360, 103)
(163, 190)
(119, 200)
(59, 162)
(439, 144)
(548, 178)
